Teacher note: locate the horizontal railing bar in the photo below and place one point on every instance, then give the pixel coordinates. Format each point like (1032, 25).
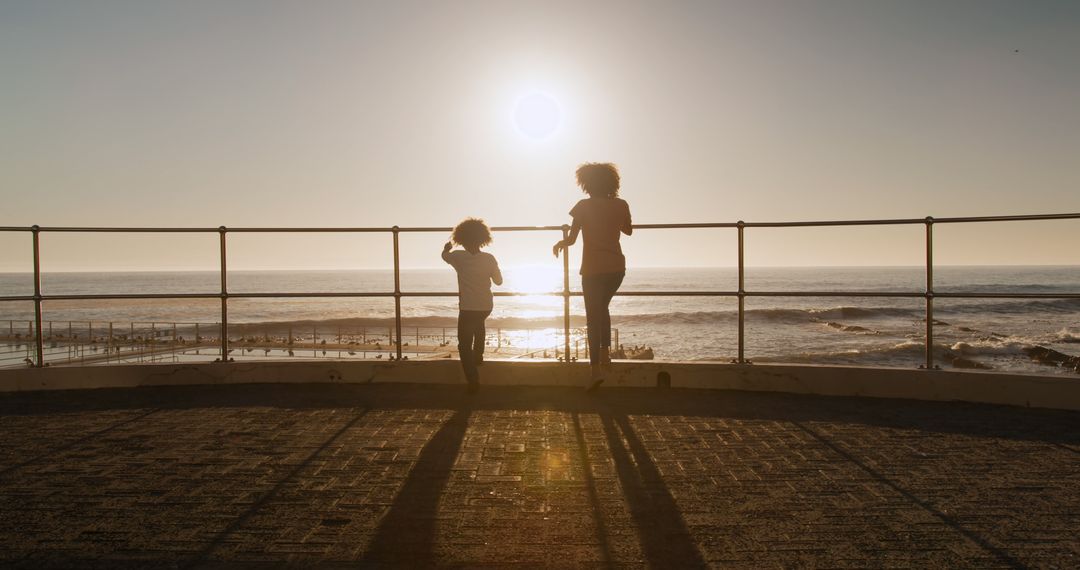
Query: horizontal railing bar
(908, 221)
(685, 226)
(815, 223)
(895, 294)
(127, 230)
(672, 293)
(977, 295)
(902, 221)
(121, 296)
(308, 230)
(493, 228)
(1033, 217)
(18, 298)
(309, 295)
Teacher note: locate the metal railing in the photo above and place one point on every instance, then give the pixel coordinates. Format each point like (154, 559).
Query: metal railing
(741, 294)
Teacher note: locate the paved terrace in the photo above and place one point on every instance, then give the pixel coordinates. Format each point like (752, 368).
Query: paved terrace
(423, 475)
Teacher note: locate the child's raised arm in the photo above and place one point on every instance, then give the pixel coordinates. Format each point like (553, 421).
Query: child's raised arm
(496, 275)
(446, 252)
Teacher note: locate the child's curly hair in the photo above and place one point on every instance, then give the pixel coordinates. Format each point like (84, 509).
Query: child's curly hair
(471, 232)
(599, 179)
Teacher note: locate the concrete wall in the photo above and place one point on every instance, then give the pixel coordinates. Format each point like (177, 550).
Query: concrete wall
(969, 386)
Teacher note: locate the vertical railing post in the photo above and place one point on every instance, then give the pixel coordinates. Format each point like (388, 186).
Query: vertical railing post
(566, 294)
(40, 360)
(397, 291)
(224, 298)
(929, 293)
(742, 295)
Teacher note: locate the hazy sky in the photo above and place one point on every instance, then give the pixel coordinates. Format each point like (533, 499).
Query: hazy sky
(259, 113)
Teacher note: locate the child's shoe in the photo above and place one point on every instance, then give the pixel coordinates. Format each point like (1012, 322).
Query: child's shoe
(597, 379)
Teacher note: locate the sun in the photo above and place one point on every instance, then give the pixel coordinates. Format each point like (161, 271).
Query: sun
(537, 115)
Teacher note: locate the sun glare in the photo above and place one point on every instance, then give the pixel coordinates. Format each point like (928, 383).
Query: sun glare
(534, 278)
(537, 115)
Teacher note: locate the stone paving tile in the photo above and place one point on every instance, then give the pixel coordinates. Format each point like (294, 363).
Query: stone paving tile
(420, 476)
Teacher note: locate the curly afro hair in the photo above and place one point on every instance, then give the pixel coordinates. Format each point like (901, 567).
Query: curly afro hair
(472, 232)
(599, 179)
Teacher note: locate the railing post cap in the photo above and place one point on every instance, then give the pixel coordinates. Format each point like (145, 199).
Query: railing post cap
(221, 228)
(395, 229)
(740, 224)
(929, 219)
(566, 227)
(35, 228)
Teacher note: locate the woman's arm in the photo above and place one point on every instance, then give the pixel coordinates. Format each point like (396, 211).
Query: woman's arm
(628, 224)
(570, 240)
(496, 275)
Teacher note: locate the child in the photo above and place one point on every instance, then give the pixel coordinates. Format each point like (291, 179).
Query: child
(600, 218)
(475, 273)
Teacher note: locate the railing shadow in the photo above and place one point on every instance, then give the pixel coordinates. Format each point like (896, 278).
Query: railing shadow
(1004, 557)
(661, 529)
(201, 557)
(72, 444)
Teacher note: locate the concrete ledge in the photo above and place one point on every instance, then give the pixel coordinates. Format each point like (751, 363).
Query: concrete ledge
(942, 385)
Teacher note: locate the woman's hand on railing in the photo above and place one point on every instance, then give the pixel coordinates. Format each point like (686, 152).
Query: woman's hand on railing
(561, 244)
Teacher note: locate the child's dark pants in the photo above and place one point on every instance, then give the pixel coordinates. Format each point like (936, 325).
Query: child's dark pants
(471, 333)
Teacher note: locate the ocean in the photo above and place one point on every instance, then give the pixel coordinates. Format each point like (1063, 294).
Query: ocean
(996, 334)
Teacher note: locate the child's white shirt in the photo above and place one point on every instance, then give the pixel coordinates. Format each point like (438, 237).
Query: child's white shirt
(475, 272)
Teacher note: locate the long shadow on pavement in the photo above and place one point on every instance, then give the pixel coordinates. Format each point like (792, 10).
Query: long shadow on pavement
(661, 529)
(406, 536)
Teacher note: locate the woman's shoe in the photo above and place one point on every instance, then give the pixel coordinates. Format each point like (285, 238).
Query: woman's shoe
(605, 359)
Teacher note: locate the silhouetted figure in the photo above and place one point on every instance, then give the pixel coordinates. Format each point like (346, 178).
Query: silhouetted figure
(476, 271)
(600, 218)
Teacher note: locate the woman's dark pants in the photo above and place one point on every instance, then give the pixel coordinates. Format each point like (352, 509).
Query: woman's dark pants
(598, 290)
(471, 334)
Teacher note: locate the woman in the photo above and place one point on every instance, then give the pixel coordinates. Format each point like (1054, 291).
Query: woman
(600, 217)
